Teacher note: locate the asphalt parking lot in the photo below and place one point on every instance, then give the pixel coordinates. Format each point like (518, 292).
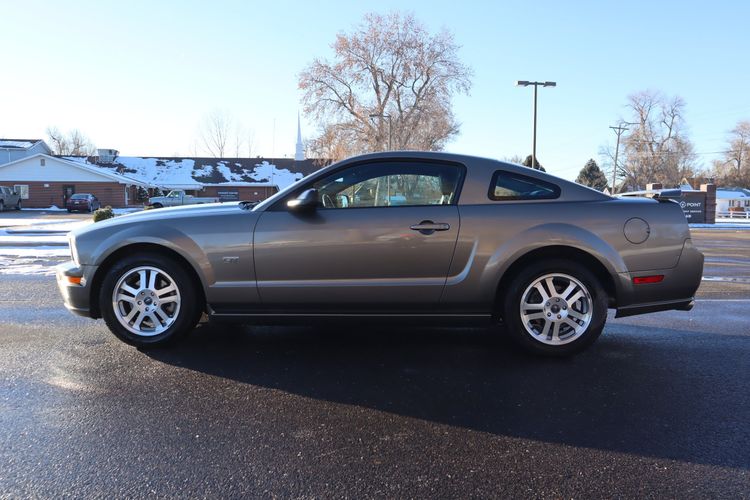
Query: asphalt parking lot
(660, 406)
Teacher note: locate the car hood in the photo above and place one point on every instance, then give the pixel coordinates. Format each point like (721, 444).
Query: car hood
(160, 214)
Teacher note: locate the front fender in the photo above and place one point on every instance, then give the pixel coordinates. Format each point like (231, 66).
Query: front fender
(165, 236)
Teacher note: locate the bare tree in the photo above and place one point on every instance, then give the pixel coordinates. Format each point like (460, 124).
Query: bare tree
(732, 169)
(215, 131)
(517, 159)
(250, 142)
(238, 141)
(74, 143)
(656, 147)
(57, 140)
(390, 84)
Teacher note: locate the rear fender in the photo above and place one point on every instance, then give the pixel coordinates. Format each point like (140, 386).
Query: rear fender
(545, 235)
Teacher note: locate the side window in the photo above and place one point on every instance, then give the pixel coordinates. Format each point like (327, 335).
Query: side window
(388, 184)
(23, 190)
(511, 186)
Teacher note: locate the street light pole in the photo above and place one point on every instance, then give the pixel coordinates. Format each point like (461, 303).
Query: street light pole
(390, 127)
(525, 83)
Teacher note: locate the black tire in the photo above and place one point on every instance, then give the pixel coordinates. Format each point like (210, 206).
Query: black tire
(70, 211)
(157, 205)
(18, 205)
(595, 302)
(191, 301)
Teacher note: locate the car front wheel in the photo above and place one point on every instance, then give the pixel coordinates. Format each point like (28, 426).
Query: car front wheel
(149, 300)
(556, 308)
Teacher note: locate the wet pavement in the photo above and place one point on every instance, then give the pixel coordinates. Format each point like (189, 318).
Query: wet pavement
(660, 406)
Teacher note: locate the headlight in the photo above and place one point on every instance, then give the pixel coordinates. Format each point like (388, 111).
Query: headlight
(73, 250)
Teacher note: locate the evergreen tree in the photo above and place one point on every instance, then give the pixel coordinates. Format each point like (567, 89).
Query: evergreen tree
(142, 194)
(537, 165)
(592, 176)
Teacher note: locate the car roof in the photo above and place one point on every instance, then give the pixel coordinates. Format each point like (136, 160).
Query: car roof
(476, 187)
(479, 175)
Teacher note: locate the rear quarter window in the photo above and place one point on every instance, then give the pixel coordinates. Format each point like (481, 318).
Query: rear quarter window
(508, 186)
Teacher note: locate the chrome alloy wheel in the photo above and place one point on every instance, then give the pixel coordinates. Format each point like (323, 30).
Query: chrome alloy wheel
(146, 301)
(556, 309)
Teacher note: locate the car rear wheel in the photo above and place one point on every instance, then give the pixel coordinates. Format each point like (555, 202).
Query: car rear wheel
(18, 205)
(555, 308)
(149, 300)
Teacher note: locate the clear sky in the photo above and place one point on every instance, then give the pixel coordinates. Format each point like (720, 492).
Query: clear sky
(138, 76)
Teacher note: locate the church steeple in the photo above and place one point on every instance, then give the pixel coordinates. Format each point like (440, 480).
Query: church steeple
(299, 152)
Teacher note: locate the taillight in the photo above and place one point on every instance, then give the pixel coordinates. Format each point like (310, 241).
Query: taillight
(643, 280)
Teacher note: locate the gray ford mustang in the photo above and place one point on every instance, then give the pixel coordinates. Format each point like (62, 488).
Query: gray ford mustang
(399, 236)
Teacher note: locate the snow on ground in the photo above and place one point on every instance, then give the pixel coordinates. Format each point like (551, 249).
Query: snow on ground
(51, 208)
(39, 260)
(33, 239)
(26, 266)
(116, 211)
(5, 222)
(48, 227)
(41, 251)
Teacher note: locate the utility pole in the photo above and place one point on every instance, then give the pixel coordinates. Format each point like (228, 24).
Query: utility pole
(618, 130)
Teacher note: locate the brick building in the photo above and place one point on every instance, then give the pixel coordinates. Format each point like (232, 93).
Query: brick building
(45, 181)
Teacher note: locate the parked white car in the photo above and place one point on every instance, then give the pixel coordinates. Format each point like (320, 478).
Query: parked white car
(9, 198)
(178, 197)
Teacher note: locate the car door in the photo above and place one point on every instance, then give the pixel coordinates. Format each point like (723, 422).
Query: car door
(381, 239)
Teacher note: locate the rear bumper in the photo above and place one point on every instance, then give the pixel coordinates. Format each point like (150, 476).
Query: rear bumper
(675, 292)
(76, 297)
(678, 305)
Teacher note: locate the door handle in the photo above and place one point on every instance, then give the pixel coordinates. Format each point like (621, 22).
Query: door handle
(429, 227)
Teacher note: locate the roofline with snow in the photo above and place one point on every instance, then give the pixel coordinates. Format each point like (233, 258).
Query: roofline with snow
(98, 171)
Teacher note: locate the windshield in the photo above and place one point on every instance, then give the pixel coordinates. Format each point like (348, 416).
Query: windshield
(79, 196)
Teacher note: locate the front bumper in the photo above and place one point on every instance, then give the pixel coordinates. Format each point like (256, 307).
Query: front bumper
(76, 294)
(675, 292)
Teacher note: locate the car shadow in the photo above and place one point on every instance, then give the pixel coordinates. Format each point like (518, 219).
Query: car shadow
(665, 394)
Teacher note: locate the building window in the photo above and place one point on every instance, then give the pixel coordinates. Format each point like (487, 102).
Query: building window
(23, 190)
(41, 161)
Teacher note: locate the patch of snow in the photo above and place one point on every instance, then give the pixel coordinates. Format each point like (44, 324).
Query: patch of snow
(25, 240)
(16, 144)
(182, 173)
(32, 222)
(41, 251)
(26, 268)
(51, 208)
(50, 227)
(276, 176)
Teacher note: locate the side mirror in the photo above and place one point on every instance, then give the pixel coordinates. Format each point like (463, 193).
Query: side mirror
(307, 201)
